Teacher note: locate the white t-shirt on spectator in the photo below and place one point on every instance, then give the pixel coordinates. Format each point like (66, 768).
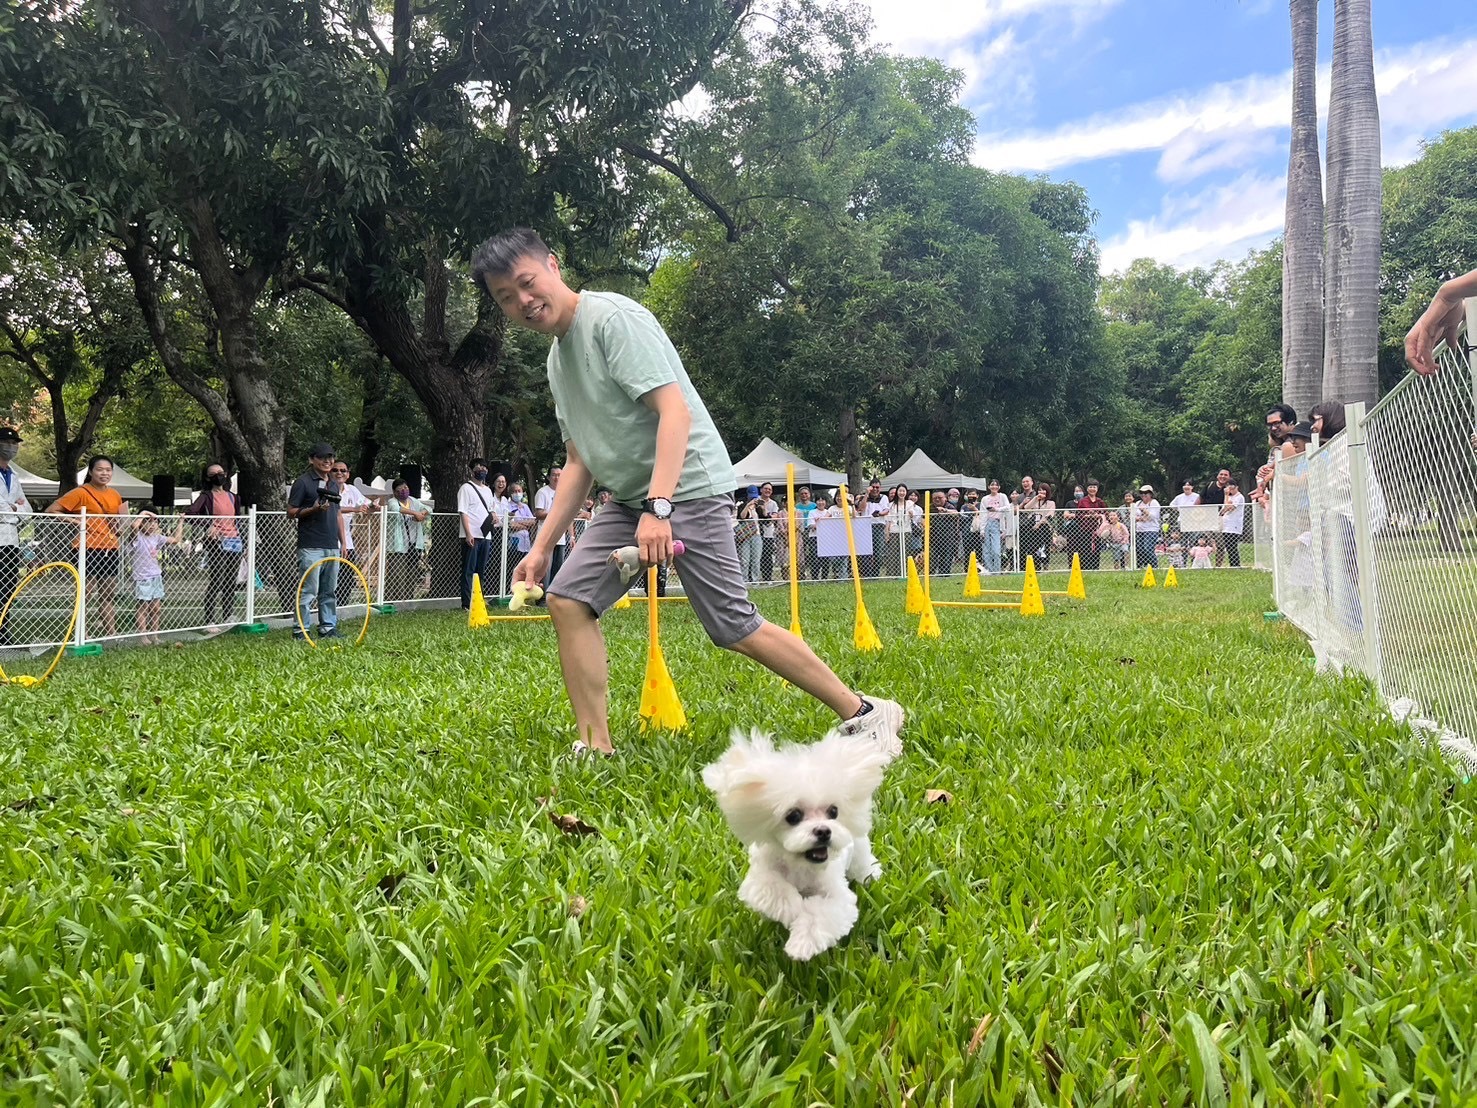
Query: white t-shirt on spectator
(1185, 500)
(1146, 516)
(1233, 521)
(353, 499)
(543, 500)
(473, 501)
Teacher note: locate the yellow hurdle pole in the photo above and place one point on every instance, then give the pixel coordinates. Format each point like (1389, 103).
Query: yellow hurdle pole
(1020, 592)
(856, 569)
(794, 569)
(652, 609)
(927, 504)
(973, 604)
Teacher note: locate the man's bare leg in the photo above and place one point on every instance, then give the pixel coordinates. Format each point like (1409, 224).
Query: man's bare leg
(788, 655)
(586, 671)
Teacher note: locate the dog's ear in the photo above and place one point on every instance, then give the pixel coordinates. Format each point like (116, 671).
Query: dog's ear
(740, 767)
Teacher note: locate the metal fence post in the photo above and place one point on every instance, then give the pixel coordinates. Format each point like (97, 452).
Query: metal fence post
(502, 574)
(81, 635)
(1360, 470)
(251, 536)
(384, 515)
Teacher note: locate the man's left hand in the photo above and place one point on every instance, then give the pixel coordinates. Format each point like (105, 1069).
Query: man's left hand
(654, 539)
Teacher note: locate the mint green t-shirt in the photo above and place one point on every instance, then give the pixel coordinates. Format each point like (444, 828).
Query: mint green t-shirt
(614, 354)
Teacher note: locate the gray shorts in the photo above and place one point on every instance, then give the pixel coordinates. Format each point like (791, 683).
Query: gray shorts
(710, 570)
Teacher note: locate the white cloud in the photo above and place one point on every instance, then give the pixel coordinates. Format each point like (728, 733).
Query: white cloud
(1421, 88)
(939, 27)
(1199, 228)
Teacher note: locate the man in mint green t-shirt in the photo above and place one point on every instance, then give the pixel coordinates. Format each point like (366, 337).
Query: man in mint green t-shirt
(631, 420)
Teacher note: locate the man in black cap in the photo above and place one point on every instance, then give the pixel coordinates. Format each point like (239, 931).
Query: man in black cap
(14, 507)
(314, 502)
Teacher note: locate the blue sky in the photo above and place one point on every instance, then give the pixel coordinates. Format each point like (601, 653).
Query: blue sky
(1174, 113)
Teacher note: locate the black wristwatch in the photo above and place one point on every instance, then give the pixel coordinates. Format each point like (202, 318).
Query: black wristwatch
(658, 506)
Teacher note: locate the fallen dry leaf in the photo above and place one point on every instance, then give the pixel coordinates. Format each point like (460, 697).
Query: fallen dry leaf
(938, 796)
(978, 1037)
(128, 811)
(572, 824)
(577, 906)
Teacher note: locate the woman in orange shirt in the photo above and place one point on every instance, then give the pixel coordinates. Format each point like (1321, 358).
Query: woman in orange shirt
(104, 507)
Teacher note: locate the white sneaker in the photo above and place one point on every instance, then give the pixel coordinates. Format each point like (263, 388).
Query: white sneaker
(882, 723)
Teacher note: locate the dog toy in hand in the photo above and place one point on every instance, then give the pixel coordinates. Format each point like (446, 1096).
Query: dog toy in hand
(523, 593)
(805, 813)
(628, 559)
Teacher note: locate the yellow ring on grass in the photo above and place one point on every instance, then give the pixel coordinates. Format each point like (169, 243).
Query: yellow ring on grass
(297, 608)
(25, 680)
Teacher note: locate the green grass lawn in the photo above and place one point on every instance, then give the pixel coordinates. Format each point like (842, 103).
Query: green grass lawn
(1177, 867)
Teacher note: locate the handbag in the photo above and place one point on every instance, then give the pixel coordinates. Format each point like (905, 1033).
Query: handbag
(489, 522)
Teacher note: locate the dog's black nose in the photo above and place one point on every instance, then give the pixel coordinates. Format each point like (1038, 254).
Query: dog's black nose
(822, 834)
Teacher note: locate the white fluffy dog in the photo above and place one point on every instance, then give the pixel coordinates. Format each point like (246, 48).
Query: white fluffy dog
(805, 813)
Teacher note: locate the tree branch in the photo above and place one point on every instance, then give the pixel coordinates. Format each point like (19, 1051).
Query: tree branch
(699, 193)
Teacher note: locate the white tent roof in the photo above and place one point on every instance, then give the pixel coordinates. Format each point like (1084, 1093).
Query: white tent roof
(922, 472)
(124, 484)
(767, 462)
(34, 485)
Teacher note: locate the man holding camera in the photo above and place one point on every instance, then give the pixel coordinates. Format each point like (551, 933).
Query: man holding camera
(314, 503)
(475, 501)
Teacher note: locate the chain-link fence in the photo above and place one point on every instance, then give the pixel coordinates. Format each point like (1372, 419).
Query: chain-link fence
(1375, 539)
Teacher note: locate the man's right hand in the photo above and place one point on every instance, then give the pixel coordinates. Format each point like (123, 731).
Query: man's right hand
(532, 568)
(471, 541)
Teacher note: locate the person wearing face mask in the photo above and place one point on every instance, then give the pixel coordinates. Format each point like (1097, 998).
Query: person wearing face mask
(405, 541)
(474, 502)
(521, 522)
(219, 511)
(14, 508)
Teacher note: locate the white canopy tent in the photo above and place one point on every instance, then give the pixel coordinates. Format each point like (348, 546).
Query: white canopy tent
(35, 486)
(124, 484)
(922, 472)
(767, 462)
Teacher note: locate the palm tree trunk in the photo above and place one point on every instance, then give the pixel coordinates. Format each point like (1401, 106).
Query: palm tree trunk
(1302, 249)
(1352, 238)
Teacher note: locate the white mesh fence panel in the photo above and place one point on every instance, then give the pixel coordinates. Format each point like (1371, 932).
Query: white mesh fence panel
(1422, 444)
(41, 614)
(1294, 573)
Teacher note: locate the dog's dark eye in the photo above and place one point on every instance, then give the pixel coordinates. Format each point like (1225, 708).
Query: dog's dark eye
(794, 816)
(832, 812)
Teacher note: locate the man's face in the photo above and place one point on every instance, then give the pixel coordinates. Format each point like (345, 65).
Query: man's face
(534, 294)
(874, 490)
(804, 495)
(554, 475)
(321, 466)
(339, 472)
(1027, 484)
(1187, 488)
(766, 491)
(605, 496)
(1223, 478)
(1276, 426)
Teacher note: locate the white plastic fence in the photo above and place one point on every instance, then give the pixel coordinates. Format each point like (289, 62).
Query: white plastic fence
(1375, 539)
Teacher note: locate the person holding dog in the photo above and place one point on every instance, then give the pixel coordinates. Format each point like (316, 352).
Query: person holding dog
(631, 419)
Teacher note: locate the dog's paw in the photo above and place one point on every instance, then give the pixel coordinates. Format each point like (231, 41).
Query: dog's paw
(805, 945)
(864, 874)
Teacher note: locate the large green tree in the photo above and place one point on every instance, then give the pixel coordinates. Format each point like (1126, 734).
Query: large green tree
(845, 281)
(316, 146)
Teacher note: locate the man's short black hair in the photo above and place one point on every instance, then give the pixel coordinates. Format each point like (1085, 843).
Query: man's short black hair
(1288, 413)
(498, 255)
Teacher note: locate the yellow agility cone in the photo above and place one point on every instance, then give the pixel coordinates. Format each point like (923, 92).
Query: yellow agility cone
(1148, 582)
(1170, 580)
(660, 706)
(928, 623)
(477, 614)
(1031, 604)
(864, 636)
(1076, 586)
(972, 586)
(913, 598)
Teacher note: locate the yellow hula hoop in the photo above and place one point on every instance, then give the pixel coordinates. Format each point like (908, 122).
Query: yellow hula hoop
(26, 681)
(297, 608)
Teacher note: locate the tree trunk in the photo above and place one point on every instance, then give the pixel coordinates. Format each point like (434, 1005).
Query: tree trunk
(1302, 250)
(367, 461)
(1352, 238)
(249, 416)
(851, 450)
